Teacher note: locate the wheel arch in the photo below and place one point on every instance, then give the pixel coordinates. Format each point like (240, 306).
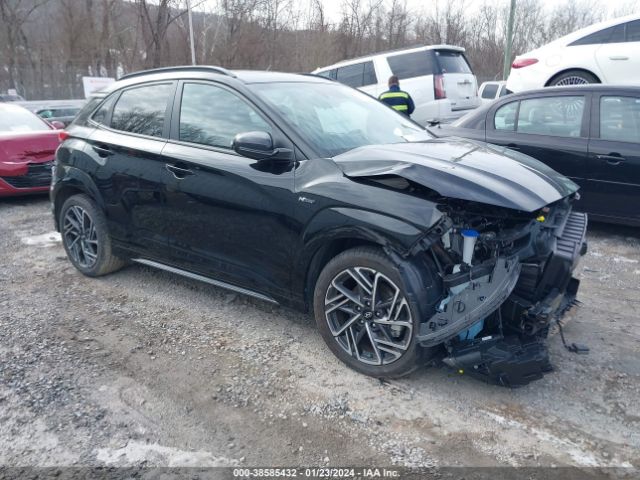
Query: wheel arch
(75, 182)
(571, 69)
(394, 236)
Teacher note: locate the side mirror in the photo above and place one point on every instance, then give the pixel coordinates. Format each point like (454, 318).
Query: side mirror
(259, 146)
(58, 125)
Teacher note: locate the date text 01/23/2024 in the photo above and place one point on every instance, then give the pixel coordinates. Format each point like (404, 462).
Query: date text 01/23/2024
(333, 473)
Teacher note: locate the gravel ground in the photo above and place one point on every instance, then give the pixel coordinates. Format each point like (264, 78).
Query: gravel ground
(146, 368)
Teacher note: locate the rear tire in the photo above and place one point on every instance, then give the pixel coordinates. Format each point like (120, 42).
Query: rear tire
(85, 237)
(372, 326)
(573, 77)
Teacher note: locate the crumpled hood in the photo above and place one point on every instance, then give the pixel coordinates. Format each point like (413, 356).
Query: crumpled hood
(17, 150)
(463, 169)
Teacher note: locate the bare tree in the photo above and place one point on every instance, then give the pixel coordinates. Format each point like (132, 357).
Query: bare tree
(156, 19)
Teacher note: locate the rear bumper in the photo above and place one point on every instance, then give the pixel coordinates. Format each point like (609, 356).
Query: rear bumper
(37, 179)
(442, 111)
(526, 78)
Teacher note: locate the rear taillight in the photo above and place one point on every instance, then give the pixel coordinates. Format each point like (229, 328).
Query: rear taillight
(438, 87)
(63, 135)
(523, 62)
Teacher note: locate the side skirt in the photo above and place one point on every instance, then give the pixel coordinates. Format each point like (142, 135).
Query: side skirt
(211, 281)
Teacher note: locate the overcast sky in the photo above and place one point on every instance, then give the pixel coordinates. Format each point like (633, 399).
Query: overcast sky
(333, 7)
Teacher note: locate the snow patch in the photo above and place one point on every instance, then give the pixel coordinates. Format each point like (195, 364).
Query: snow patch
(624, 260)
(44, 240)
(154, 454)
(578, 455)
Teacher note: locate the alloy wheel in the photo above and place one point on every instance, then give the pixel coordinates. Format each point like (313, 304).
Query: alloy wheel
(80, 236)
(368, 316)
(572, 80)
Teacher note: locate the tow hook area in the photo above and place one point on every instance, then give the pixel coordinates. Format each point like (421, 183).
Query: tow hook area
(498, 360)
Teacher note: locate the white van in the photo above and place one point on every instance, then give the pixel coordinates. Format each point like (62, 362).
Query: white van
(438, 78)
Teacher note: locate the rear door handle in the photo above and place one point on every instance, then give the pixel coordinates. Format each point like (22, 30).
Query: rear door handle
(612, 159)
(179, 172)
(513, 146)
(618, 57)
(102, 150)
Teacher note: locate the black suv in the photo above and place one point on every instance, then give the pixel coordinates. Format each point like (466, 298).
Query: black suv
(307, 193)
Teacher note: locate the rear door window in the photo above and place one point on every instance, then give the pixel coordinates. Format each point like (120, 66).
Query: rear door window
(620, 119)
(556, 116)
(142, 110)
(409, 65)
(351, 75)
(452, 62)
(613, 34)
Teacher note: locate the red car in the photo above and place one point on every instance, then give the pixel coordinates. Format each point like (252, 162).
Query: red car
(27, 150)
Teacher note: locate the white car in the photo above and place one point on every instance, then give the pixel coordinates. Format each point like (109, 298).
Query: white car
(607, 52)
(489, 91)
(438, 78)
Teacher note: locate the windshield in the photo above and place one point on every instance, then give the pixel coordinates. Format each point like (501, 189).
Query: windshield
(16, 119)
(334, 118)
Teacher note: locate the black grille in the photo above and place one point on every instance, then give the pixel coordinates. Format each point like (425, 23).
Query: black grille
(537, 280)
(38, 175)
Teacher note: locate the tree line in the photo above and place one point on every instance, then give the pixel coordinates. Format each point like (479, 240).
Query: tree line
(47, 46)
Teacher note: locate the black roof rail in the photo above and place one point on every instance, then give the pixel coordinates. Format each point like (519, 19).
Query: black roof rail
(181, 68)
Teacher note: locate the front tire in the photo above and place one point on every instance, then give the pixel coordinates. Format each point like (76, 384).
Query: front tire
(366, 314)
(85, 237)
(573, 77)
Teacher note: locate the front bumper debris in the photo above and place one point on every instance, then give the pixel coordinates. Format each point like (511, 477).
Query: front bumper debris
(482, 297)
(502, 361)
(541, 293)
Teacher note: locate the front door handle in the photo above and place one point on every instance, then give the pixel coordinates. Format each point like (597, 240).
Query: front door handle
(513, 146)
(179, 172)
(102, 150)
(612, 158)
(618, 57)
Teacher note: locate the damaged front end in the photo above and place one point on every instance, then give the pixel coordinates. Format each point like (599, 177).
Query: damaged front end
(507, 275)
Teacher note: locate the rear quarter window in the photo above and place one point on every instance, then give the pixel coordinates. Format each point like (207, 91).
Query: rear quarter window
(414, 64)
(83, 116)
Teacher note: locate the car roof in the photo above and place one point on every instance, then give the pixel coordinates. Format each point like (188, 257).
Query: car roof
(591, 87)
(583, 32)
(397, 51)
(204, 72)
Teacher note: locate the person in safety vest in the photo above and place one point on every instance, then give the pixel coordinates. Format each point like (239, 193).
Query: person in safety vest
(396, 98)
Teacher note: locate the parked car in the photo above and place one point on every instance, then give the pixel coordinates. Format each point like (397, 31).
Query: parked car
(60, 114)
(55, 110)
(27, 148)
(10, 97)
(304, 192)
(590, 133)
(607, 52)
(489, 91)
(438, 78)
